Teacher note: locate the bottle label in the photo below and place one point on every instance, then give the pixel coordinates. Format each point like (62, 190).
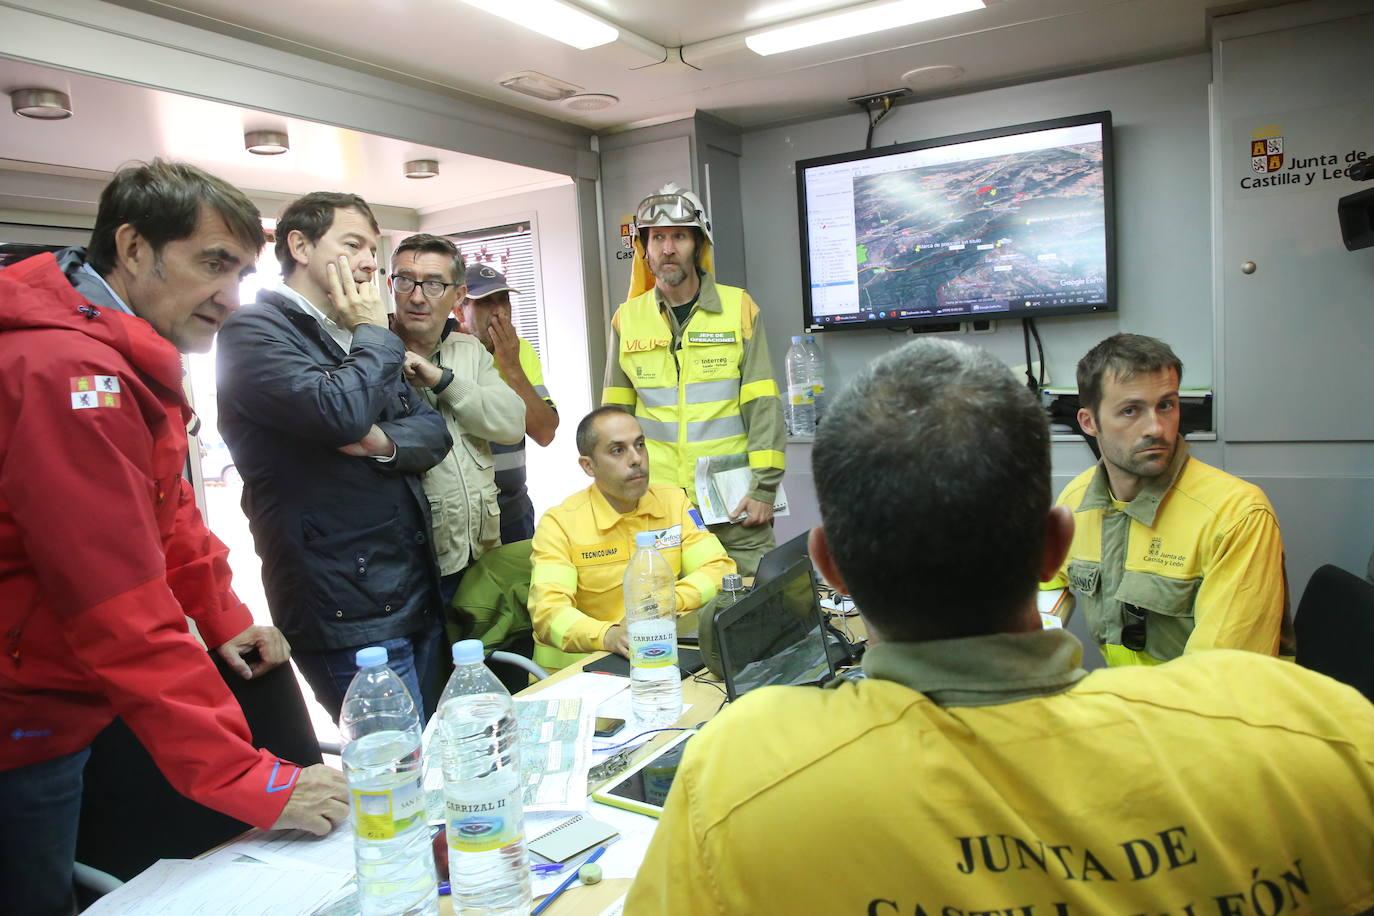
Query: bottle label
(382, 815)
(817, 389)
(800, 395)
(481, 826)
(653, 643)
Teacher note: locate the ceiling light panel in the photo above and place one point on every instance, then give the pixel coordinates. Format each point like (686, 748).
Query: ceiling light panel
(590, 101)
(851, 23)
(41, 104)
(421, 168)
(552, 19)
(539, 85)
(266, 142)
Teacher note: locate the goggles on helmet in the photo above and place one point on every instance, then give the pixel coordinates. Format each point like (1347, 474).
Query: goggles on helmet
(671, 208)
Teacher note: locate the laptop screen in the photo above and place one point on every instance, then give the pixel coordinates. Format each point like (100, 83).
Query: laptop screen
(776, 561)
(773, 635)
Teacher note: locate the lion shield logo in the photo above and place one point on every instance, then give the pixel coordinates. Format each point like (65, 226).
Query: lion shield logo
(1266, 151)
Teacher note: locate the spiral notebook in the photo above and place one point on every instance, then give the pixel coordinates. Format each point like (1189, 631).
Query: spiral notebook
(571, 837)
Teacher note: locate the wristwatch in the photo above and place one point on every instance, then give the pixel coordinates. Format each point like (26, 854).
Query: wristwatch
(444, 378)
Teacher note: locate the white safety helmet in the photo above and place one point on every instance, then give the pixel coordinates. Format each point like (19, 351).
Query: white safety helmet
(671, 206)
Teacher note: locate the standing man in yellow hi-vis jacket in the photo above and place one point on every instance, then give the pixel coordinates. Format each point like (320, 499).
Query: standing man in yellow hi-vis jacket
(581, 547)
(689, 358)
(1169, 555)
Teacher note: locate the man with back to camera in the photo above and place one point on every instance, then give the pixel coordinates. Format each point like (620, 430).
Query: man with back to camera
(688, 356)
(1169, 555)
(581, 547)
(978, 768)
(486, 315)
(458, 378)
(331, 441)
(104, 552)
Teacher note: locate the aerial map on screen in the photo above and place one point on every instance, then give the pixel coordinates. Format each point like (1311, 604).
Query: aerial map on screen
(1013, 225)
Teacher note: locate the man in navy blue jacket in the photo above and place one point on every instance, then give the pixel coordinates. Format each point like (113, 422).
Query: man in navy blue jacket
(331, 441)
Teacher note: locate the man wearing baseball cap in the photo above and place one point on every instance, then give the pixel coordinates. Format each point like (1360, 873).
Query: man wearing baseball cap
(486, 314)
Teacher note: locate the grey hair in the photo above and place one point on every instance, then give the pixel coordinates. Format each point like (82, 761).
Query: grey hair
(932, 470)
(424, 243)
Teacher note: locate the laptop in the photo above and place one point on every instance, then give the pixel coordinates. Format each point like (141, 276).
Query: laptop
(776, 561)
(775, 634)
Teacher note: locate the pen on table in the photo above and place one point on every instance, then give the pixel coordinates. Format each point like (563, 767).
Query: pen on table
(567, 882)
(546, 868)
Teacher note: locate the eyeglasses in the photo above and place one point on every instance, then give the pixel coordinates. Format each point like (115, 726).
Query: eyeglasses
(672, 207)
(432, 289)
(1133, 628)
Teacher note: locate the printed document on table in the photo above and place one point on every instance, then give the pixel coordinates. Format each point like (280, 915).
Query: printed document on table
(591, 688)
(555, 752)
(615, 909)
(722, 481)
(293, 848)
(555, 742)
(199, 888)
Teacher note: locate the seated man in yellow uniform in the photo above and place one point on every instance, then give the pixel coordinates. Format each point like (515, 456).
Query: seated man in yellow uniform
(581, 548)
(1169, 555)
(978, 768)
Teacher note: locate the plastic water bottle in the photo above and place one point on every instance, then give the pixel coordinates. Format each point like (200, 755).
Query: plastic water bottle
(380, 730)
(816, 364)
(801, 396)
(484, 814)
(650, 621)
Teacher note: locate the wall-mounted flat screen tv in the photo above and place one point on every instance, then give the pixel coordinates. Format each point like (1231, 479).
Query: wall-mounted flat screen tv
(1007, 223)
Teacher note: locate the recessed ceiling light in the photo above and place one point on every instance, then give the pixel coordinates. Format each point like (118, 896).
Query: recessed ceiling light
(422, 168)
(539, 86)
(855, 21)
(266, 142)
(553, 19)
(934, 75)
(590, 101)
(41, 104)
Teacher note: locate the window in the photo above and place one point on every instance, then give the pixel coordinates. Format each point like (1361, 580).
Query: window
(510, 249)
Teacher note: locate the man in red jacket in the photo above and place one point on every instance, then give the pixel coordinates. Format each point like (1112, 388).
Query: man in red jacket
(103, 553)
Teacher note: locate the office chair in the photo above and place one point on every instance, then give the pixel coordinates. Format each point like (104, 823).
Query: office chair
(519, 661)
(1335, 626)
(492, 604)
(92, 884)
(131, 816)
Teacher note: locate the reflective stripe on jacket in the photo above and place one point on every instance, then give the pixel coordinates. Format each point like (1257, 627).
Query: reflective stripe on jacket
(687, 402)
(512, 492)
(581, 549)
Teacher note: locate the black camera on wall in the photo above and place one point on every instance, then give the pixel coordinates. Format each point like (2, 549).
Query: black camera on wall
(1356, 211)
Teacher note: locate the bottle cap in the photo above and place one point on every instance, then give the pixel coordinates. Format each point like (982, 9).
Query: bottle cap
(796, 338)
(468, 652)
(645, 539)
(371, 657)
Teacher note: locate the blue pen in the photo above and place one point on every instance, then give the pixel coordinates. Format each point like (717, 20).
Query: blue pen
(546, 868)
(567, 882)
